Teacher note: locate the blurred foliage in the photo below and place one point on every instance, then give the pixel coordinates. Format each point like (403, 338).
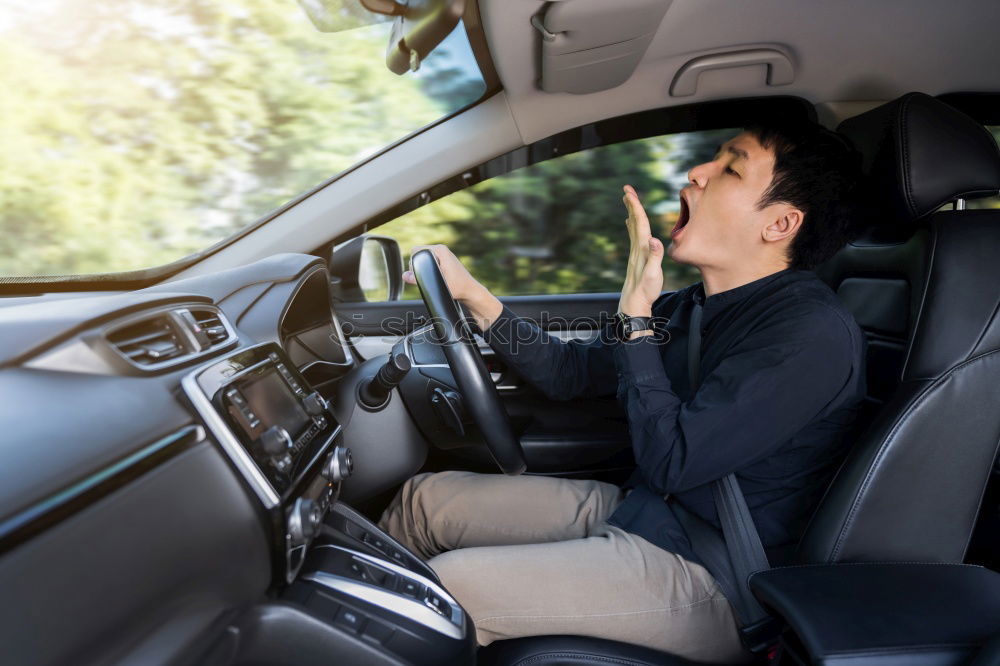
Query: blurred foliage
(558, 226)
(139, 131)
(988, 202)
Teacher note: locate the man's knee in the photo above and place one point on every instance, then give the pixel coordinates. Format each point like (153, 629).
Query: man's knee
(399, 512)
(412, 486)
(410, 515)
(461, 575)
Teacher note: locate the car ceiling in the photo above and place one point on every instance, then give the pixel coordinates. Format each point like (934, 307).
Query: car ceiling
(845, 50)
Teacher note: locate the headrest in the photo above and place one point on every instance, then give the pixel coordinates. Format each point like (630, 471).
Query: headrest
(919, 154)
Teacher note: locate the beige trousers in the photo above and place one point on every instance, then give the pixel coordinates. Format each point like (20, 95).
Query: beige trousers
(531, 555)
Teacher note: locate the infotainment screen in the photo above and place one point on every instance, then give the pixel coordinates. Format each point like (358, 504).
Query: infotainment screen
(274, 404)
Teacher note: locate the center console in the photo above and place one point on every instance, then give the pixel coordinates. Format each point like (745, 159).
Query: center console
(281, 437)
(342, 585)
(374, 590)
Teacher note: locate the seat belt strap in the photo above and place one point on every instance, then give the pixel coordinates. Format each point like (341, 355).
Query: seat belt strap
(694, 349)
(739, 533)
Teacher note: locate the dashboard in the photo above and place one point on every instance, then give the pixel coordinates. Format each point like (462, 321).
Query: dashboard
(171, 454)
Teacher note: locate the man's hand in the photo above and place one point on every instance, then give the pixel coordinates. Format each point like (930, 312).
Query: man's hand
(644, 276)
(482, 305)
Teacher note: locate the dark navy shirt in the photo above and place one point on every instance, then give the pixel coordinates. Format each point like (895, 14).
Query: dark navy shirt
(782, 369)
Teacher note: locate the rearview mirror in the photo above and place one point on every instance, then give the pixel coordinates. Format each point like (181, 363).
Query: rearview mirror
(366, 269)
(422, 26)
(419, 25)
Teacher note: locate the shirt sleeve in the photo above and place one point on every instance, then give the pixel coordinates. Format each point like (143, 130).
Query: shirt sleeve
(769, 386)
(562, 370)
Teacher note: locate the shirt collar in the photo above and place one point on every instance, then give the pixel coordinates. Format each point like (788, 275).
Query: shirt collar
(718, 302)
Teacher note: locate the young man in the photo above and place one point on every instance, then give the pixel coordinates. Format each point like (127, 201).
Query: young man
(781, 379)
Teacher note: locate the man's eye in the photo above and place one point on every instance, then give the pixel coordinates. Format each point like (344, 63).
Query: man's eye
(730, 170)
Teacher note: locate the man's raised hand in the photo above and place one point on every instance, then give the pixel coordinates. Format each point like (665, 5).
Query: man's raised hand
(644, 275)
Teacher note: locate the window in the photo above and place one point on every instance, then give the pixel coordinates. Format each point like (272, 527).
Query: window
(981, 202)
(986, 202)
(557, 227)
(137, 132)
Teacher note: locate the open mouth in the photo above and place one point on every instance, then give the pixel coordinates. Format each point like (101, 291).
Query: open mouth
(682, 218)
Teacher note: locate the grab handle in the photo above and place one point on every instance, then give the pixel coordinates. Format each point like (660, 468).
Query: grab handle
(780, 70)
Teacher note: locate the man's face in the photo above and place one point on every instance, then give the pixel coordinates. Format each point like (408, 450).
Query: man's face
(719, 223)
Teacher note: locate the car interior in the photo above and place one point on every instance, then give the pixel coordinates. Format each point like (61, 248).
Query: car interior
(195, 455)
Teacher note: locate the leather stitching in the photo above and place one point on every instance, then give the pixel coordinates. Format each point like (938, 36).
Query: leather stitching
(923, 298)
(900, 650)
(904, 148)
(869, 564)
(889, 440)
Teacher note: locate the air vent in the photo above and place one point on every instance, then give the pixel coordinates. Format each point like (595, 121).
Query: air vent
(166, 338)
(148, 342)
(211, 323)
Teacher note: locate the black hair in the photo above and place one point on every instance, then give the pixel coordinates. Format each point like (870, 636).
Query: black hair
(817, 171)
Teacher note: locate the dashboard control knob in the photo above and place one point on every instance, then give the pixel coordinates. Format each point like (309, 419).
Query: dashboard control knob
(304, 521)
(315, 404)
(275, 441)
(339, 465)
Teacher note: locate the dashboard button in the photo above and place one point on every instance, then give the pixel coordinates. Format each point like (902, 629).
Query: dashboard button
(349, 619)
(314, 404)
(359, 571)
(436, 602)
(275, 441)
(410, 588)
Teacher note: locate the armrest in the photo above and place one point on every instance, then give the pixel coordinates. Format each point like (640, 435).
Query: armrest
(925, 614)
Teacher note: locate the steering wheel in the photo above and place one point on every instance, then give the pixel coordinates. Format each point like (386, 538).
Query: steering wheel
(479, 393)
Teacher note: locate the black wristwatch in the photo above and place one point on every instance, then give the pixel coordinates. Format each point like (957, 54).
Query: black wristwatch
(626, 325)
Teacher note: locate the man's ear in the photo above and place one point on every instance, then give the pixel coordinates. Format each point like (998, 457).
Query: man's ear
(784, 225)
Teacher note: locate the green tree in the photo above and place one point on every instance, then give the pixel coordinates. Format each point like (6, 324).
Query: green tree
(138, 131)
(557, 226)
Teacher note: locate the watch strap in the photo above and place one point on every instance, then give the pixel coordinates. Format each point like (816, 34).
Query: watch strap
(628, 325)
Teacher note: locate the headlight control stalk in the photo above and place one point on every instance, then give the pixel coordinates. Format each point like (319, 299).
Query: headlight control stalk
(373, 394)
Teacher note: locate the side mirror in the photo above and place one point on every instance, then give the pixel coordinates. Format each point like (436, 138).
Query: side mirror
(366, 269)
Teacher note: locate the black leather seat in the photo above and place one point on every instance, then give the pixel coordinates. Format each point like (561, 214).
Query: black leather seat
(574, 651)
(911, 486)
(880, 277)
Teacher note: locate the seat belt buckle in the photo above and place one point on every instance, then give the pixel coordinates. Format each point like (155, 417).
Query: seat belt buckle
(761, 637)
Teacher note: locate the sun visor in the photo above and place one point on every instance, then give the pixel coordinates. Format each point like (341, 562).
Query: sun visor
(592, 45)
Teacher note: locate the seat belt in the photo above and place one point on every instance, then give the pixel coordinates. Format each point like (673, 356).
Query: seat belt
(738, 552)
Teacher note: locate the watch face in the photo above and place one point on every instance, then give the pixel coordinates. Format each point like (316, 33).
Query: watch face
(627, 325)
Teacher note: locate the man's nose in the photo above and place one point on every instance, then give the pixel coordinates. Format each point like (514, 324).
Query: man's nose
(699, 175)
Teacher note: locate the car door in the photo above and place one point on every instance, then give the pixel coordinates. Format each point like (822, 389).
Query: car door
(543, 229)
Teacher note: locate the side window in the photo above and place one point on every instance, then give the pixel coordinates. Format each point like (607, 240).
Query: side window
(985, 202)
(981, 202)
(557, 227)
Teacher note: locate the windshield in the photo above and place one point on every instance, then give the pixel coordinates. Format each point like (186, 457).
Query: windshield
(137, 132)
